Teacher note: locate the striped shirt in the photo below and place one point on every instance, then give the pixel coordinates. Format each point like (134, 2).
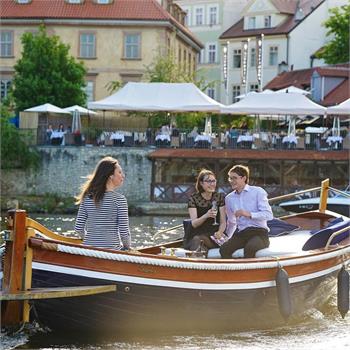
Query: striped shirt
(105, 225)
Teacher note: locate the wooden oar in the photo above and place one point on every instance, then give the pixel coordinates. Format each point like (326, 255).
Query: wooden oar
(166, 230)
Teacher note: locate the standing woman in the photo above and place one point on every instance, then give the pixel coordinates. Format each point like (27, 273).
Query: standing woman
(207, 212)
(102, 217)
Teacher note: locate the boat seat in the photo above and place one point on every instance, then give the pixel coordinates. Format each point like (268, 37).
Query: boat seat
(279, 246)
(320, 238)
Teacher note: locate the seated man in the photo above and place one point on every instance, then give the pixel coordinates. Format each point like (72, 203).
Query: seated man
(247, 211)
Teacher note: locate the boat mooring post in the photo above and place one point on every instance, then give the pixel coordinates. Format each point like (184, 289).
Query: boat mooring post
(324, 195)
(14, 266)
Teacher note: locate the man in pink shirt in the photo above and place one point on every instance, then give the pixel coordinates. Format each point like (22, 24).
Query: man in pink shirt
(247, 210)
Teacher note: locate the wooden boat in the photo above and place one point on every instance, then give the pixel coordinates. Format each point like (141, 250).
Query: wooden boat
(68, 286)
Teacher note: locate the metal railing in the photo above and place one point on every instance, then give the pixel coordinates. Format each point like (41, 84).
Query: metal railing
(240, 139)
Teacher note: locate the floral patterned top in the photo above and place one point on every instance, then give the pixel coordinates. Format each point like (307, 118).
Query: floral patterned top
(203, 205)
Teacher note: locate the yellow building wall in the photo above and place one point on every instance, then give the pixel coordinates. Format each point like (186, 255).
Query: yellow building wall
(109, 64)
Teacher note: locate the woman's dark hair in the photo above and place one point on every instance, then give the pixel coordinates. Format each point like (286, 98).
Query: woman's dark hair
(95, 186)
(201, 176)
(240, 170)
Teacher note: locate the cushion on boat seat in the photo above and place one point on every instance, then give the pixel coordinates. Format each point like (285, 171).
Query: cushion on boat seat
(279, 246)
(279, 227)
(319, 239)
(331, 223)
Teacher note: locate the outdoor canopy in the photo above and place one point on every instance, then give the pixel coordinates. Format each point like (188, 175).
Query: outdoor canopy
(151, 97)
(341, 108)
(46, 108)
(273, 103)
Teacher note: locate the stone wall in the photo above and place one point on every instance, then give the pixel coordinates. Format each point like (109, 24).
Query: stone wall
(63, 169)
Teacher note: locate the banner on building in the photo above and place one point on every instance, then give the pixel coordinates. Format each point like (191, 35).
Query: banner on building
(244, 62)
(259, 53)
(225, 59)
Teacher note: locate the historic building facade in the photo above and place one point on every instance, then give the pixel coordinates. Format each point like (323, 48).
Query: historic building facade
(116, 40)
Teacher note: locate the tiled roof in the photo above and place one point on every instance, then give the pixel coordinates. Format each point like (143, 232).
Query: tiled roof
(283, 6)
(298, 78)
(334, 71)
(148, 10)
(338, 95)
(118, 9)
(302, 79)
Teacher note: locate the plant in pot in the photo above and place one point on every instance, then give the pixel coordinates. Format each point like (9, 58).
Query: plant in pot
(91, 134)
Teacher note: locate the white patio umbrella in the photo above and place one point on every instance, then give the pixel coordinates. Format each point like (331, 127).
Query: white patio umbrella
(46, 108)
(208, 127)
(272, 104)
(81, 110)
(294, 90)
(76, 123)
(336, 127)
(340, 109)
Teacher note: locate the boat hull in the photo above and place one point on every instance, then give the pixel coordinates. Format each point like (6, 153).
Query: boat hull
(146, 308)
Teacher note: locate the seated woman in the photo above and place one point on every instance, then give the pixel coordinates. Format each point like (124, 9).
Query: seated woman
(207, 212)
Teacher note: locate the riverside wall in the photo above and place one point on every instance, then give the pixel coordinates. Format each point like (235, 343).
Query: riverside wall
(63, 170)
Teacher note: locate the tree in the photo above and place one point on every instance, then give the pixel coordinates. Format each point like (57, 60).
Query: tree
(14, 150)
(337, 50)
(47, 73)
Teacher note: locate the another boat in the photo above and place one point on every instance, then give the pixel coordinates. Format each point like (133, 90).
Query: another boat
(340, 204)
(68, 286)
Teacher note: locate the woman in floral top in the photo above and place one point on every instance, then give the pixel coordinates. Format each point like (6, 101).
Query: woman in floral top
(201, 207)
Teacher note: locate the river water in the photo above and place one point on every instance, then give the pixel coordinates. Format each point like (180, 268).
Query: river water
(316, 330)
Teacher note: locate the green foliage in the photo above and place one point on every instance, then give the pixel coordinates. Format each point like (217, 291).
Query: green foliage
(46, 73)
(337, 50)
(113, 86)
(14, 150)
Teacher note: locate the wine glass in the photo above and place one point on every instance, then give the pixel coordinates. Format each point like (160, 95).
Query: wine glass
(214, 206)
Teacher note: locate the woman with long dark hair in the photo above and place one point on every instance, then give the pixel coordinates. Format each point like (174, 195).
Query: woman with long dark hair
(206, 208)
(102, 218)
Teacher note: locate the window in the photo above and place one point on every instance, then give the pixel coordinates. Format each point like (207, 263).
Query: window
(5, 88)
(89, 90)
(236, 91)
(201, 56)
(213, 15)
(237, 58)
(254, 87)
(267, 21)
(87, 45)
(252, 57)
(273, 56)
(74, 1)
(211, 53)
(199, 16)
(211, 92)
(103, 1)
(23, 1)
(6, 44)
(187, 19)
(132, 46)
(251, 23)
